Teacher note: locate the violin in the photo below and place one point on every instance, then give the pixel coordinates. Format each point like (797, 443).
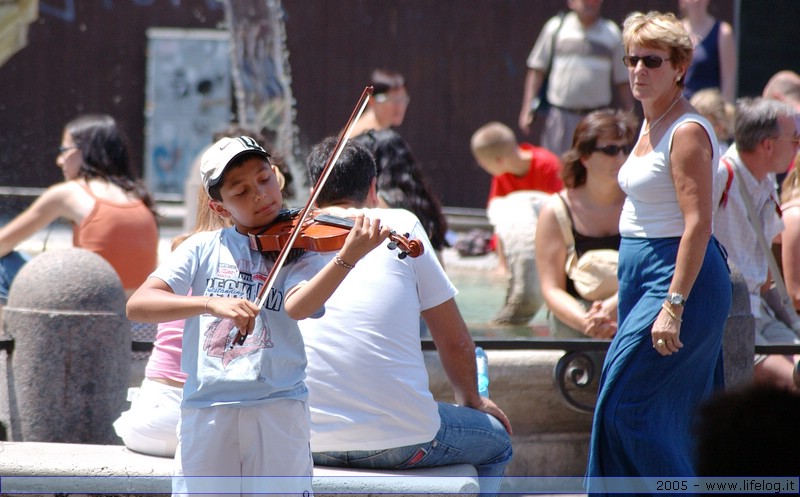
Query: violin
(237, 336)
(320, 232)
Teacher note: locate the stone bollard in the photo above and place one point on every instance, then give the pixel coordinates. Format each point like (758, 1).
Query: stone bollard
(72, 349)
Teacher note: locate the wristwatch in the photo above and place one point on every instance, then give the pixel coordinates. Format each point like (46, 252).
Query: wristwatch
(676, 298)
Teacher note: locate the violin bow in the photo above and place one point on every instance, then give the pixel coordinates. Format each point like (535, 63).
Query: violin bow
(263, 294)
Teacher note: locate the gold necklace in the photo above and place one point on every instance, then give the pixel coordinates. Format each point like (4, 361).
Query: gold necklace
(657, 121)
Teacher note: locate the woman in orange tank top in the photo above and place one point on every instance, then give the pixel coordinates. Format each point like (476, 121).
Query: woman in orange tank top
(112, 213)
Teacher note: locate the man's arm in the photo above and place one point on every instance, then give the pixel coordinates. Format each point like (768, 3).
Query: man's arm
(457, 353)
(533, 83)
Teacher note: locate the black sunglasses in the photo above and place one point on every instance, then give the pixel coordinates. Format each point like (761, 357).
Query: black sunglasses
(613, 150)
(649, 61)
(62, 149)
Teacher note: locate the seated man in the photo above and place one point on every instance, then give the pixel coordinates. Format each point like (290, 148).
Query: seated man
(766, 141)
(366, 376)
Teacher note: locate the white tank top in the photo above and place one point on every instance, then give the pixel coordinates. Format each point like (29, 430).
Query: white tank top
(651, 207)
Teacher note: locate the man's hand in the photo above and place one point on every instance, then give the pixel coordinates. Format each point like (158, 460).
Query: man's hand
(525, 120)
(489, 407)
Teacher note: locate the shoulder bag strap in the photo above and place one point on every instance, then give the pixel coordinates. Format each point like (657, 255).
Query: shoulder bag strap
(723, 201)
(564, 222)
(561, 15)
(755, 222)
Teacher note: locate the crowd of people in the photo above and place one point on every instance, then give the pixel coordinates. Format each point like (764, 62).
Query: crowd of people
(661, 211)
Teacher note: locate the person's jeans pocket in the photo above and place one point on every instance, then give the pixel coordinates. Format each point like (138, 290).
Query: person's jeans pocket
(435, 453)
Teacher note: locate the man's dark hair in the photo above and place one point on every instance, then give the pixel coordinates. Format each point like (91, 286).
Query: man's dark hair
(350, 177)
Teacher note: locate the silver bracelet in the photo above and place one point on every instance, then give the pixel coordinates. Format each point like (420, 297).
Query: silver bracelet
(205, 308)
(339, 262)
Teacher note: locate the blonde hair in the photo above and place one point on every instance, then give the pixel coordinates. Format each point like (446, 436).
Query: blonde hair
(790, 187)
(493, 139)
(207, 220)
(712, 106)
(662, 31)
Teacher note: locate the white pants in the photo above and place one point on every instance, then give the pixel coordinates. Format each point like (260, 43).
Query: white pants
(244, 450)
(151, 424)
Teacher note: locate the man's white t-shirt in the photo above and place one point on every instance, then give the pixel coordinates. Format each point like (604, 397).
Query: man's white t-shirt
(366, 375)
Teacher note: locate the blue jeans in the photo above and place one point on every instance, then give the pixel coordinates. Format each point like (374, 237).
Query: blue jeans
(466, 436)
(10, 265)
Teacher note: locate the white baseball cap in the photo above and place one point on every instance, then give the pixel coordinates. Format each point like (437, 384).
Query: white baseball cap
(222, 153)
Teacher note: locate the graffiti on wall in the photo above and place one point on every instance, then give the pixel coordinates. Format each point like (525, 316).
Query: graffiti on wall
(187, 100)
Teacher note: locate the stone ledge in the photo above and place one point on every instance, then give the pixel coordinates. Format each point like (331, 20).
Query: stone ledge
(57, 468)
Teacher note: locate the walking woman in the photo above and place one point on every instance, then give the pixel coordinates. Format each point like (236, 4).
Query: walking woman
(674, 284)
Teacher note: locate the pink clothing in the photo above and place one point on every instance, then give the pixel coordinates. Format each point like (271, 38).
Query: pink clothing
(165, 360)
(124, 234)
(543, 175)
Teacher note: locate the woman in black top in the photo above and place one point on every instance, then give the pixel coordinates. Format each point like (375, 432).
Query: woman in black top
(593, 201)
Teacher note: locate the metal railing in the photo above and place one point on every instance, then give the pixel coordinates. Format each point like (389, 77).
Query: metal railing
(575, 372)
(578, 369)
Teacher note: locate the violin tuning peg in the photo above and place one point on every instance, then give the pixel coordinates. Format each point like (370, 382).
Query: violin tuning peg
(391, 245)
(407, 235)
(402, 255)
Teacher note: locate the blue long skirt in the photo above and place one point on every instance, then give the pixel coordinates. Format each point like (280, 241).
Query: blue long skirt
(646, 405)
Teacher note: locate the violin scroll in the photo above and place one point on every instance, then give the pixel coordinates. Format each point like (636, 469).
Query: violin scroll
(406, 246)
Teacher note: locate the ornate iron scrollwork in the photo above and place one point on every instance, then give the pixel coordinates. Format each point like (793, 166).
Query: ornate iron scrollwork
(574, 373)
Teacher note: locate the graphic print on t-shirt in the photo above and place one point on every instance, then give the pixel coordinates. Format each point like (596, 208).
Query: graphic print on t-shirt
(218, 340)
(238, 282)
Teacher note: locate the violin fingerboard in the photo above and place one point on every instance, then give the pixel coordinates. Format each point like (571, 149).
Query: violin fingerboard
(331, 220)
(294, 254)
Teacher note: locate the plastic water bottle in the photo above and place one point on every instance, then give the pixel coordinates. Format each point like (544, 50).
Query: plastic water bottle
(483, 371)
